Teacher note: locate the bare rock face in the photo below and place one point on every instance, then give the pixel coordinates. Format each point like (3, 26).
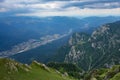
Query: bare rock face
(74, 55)
(41, 65)
(65, 74)
(101, 48)
(14, 67)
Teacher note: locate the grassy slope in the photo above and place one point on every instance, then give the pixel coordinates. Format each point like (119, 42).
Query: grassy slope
(116, 77)
(112, 73)
(11, 70)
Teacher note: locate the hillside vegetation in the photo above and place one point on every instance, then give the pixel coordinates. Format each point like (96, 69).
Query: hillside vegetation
(100, 49)
(12, 70)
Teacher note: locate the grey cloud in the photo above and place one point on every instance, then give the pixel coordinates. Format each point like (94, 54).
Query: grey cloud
(95, 4)
(25, 6)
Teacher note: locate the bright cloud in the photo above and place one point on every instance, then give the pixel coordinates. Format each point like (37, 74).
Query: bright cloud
(75, 12)
(44, 8)
(3, 10)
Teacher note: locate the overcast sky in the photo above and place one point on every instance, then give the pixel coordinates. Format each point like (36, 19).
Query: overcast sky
(45, 8)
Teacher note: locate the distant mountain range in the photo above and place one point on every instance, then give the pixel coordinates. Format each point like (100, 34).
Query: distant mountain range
(16, 31)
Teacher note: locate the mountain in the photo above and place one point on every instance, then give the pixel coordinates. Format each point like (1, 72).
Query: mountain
(12, 70)
(21, 36)
(86, 56)
(100, 49)
(15, 30)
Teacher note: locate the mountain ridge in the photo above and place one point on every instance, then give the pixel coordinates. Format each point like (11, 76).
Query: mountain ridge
(100, 49)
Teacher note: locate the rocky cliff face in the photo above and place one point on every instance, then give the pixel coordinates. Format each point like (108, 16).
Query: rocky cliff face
(100, 49)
